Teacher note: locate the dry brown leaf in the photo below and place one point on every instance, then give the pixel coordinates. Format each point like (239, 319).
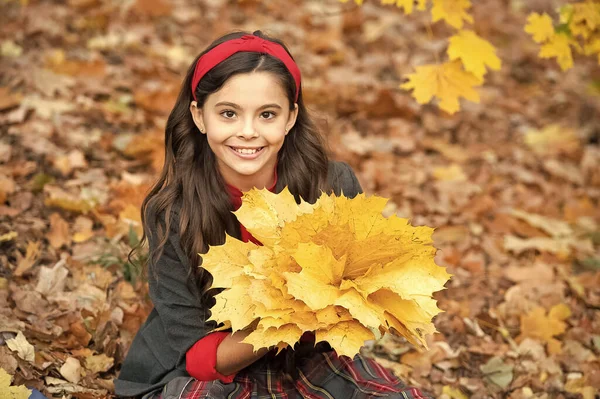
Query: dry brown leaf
(52, 280)
(31, 256)
(154, 8)
(58, 63)
(148, 147)
(66, 163)
(553, 227)
(82, 229)
(8, 99)
(7, 186)
(540, 273)
(452, 152)
(59, 231)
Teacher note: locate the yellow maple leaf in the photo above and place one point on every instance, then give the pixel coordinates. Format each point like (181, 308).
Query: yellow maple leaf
(447, 81)
(559, 46)
(228, 261)
(345, 337)
(8, 392)
(474, 52)
(267, 217)
(536, 324)
(285, 335)
(454, 12)
(584, 18)
(540, 27)
(593, 47)
(233, 305)
(337, 267)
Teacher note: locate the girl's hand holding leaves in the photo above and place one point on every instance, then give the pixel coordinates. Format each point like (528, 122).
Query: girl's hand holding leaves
(336, 267)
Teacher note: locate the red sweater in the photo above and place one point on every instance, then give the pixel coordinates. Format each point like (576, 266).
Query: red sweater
(201, 358)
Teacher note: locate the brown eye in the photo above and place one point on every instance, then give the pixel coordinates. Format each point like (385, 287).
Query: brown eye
(228, 114)
(268, 113)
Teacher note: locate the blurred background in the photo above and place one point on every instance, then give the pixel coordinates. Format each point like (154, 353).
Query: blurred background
(511, 184)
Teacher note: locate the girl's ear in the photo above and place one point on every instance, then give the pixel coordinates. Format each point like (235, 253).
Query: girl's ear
(291, 119)
(197, 116)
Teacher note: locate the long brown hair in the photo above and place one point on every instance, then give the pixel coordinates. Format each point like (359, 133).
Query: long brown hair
(190, 186)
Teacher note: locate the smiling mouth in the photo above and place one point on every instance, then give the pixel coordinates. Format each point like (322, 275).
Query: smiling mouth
(247, 151)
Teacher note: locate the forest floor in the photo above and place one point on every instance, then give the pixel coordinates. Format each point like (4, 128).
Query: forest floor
(511, 184)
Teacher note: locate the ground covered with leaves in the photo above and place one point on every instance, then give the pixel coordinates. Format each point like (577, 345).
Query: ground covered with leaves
(511, 184)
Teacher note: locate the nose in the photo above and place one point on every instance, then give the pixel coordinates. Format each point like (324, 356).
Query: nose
(248, 130)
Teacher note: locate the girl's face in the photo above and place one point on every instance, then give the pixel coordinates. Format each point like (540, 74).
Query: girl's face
(245, 123)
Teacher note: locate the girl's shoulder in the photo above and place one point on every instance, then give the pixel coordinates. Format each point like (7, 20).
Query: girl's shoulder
(342, 179)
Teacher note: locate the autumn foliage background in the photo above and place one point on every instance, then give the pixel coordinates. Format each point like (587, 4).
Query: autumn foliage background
(512, 184)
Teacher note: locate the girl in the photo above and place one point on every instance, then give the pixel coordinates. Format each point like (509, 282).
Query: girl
(239, 122)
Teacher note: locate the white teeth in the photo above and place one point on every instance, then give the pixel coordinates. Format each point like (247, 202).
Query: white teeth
(245, 150)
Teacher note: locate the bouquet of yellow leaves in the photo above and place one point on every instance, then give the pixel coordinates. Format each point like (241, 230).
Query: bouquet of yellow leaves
(336, 267)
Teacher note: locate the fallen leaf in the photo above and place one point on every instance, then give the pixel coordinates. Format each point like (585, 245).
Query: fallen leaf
(518, 245)
(57, 197)
(32, 253)
(8, 99)
(11, 392)
(47, 109)
(59, 231)
(449, 173)
(83, 229)
(453, 393)
(52, 280)
(497, 372)
(71, 370)
(553, 140)
(11, 235)
(23, 348)
(553, 227)
(99, 364)
(536, 324)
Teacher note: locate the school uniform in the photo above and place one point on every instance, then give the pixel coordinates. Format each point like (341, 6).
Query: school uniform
(155, 366)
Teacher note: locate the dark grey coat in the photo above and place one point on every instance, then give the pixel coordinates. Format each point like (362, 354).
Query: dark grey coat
(177, 321)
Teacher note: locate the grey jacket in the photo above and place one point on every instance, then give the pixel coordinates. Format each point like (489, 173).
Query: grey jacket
(177, 322)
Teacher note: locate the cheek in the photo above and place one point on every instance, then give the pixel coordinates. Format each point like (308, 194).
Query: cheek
(215, 144)
(276, 137)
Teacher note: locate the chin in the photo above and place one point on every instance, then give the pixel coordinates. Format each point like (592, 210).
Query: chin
(246, 170)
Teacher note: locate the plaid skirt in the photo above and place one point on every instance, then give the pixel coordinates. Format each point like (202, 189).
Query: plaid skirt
(323, 376)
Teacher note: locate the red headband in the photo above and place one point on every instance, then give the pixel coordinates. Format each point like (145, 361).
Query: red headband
(248, 43)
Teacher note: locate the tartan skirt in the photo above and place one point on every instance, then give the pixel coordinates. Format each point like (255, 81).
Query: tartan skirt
(323, 376)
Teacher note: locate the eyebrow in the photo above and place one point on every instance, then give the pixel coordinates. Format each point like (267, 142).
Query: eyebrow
(232, 105)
